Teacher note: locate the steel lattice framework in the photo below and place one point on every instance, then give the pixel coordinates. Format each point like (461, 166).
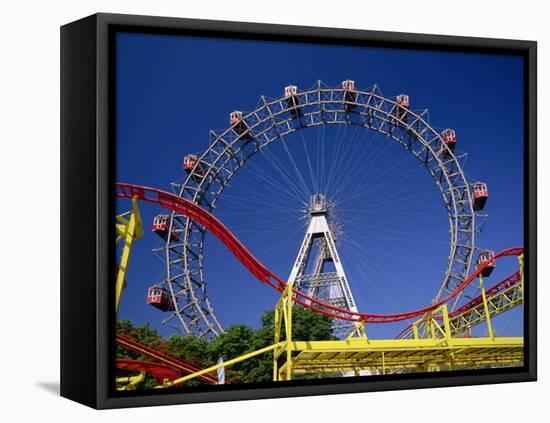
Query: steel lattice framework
(272, 120)
(331, 287)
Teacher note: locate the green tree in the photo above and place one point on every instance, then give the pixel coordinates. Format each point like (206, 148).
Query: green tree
(307, 325)
(143, 334)
(189, 348)
(237, 340)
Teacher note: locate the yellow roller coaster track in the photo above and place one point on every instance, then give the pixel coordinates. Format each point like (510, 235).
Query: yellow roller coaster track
(434, 345)
(432, 348)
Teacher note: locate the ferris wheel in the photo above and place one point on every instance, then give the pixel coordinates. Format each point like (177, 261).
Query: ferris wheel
(183, 294)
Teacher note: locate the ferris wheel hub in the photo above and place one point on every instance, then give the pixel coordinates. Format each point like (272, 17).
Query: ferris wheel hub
(318, 204)
(248, 133)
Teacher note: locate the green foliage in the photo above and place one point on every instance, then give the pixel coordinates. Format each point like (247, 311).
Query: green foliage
(236, 341)
(143, 334)
(189, 348)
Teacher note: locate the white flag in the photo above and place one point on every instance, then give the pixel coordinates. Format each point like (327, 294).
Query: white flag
(221, 372)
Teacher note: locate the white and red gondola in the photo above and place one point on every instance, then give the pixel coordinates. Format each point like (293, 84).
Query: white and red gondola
(159, 298)
(487, 259)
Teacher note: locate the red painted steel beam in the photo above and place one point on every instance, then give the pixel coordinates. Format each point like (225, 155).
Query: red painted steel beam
(219, 230)
(175, 363)
(495, 289)
(194, 360)
(511, 280)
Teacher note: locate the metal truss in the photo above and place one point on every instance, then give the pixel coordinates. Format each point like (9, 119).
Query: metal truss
(437, 351)
(490, 303)
(504, 301)
(383, 356)
(330, 287)
(499, 299)
(272, 120)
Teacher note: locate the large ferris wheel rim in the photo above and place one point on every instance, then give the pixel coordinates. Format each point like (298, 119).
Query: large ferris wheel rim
(376, 109)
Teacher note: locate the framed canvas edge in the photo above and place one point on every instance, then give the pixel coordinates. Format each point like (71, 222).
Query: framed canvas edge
(78, 167)
(104, 165)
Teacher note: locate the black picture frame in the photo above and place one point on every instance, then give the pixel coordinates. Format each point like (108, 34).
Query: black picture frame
(87, 206)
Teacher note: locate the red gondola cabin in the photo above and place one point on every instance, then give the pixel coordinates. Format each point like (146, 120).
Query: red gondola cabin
(189, 163)
(161, 226)
(402, 101)
(448, 137)
(350, 94)
(238, 124)
(292, 100)
(489, 258)
(480, 193)
(159, 298)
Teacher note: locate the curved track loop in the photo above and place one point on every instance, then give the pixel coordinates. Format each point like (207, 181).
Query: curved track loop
(219, 230)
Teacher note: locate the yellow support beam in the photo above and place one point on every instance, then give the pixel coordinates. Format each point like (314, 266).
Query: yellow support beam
(485, 311)
(433, 349)
(412, 354)
(217, 366)
(359, 330)
(130, 383)
(283, 315)
(359, 353)
(127, 230)
(486, 308)
(497, 304)
(521, 271)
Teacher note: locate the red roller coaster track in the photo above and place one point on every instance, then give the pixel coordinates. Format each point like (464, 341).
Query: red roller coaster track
(495, 289)
(160, 355)
(219, 230)
(166, 361)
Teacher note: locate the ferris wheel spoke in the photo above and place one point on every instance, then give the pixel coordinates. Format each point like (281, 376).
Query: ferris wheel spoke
(258, 201)
(275, 164)
(340, 146)
(395, 193)
(389, 274)
(313, 179)
(381, 180)
(348, 160)
(369, 273)
(384, 215)
(320, 159)
(386, 236)
(354, 166)
(296, 169)
(292, 181)
(271, 202)
(400, 257)
(276, 187)
(338, 160)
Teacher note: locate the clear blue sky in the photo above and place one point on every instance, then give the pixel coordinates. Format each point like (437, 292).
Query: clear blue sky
(172, 90)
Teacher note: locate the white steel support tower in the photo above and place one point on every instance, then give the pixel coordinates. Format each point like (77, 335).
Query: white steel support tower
(324, 277)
